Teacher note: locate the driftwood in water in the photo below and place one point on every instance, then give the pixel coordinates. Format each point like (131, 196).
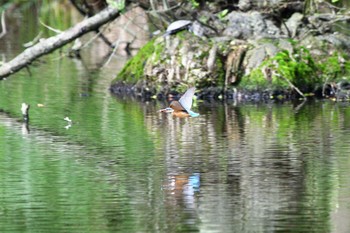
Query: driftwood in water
(48, 45)
(25, 112)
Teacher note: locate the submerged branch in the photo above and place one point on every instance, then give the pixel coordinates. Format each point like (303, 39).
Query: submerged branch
(50, 44)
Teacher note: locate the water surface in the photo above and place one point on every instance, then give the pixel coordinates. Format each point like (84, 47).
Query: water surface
(121, 166)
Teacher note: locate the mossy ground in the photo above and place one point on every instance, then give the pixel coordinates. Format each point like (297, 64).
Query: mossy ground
(156, 55)
(133, 70)
(287, 69)
(298, 68)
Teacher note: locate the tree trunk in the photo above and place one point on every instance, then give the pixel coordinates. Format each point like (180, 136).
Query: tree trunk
(50, 44)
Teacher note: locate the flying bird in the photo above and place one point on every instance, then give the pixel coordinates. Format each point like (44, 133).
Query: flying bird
(182, 108)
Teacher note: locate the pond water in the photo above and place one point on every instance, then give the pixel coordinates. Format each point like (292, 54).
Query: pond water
(121, 166)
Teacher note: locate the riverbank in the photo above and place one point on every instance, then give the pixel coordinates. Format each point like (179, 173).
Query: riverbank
(244, 55)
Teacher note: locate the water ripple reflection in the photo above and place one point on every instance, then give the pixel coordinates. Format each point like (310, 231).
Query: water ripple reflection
(248, 168)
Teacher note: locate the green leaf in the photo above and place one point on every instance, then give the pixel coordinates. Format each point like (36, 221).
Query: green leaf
(222, 14)
(118, 4)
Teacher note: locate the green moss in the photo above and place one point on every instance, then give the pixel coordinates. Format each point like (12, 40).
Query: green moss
(255, 81)
(182, 35)
(298, 68)
(158, 50)
(334, 67)
(134, 69)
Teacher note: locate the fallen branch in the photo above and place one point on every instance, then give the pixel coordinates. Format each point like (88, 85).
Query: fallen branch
(292, 85)
(50, 44)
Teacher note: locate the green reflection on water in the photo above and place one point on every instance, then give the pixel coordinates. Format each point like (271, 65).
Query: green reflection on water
(61, 179)
(35, 180)
(263, 168)
(97, 117)
(276, 165)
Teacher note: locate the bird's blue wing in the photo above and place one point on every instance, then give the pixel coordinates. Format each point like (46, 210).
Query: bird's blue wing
(193, 114)
(186, 101)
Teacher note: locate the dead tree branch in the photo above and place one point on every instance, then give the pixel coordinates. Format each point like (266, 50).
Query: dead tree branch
(50, 44)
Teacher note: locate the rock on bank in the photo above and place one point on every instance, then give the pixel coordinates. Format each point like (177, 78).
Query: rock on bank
(245, 55)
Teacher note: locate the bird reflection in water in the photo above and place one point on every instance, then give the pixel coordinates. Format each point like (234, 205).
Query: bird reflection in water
(183, 187)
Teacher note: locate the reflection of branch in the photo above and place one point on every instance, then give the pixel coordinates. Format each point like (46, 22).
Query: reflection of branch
(25, 112)
(104, 38)
(116, 45)
(94, 38)
(127, 30)
(297, 108)
(3, 25)
(131, 20)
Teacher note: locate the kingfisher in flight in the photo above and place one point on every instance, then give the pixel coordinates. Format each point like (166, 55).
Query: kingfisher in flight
(182, 108)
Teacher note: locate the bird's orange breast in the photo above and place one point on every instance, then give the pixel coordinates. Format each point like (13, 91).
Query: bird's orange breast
(180, 114)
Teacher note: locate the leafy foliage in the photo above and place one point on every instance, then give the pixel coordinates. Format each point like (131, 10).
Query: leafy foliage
(299, 67)
(120, 4)
(194, 3)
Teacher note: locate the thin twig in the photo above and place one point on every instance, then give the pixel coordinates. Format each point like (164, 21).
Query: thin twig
(165, 10)
(34, 41)
(3, 25)
(289, 82)
(324, 87)
(50, 28)
(116, 45)
(333, 6)
(166, 4)
(95, 36)
(292, 85)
